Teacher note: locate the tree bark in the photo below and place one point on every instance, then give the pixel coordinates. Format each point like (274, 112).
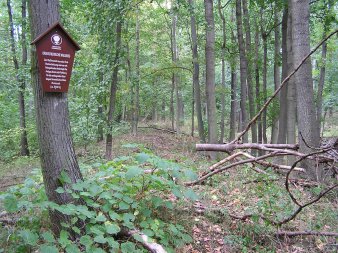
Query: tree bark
(223, 72)
(276, 73)
(24, 151)
(243, 68)
(283, 94)
(136, 104)
(196, 82)
(210, 72)
(52, 119)
(308, 132)
(113, 90)
(265, 95)
(249, 54)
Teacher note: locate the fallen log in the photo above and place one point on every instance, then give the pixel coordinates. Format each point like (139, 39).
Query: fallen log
(305, 233)
(232, 146)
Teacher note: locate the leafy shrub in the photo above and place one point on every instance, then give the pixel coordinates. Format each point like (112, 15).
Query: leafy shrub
(117, 195)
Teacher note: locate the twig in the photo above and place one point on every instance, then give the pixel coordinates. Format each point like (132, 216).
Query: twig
(232, 146)
(285, 81)
(300, 233)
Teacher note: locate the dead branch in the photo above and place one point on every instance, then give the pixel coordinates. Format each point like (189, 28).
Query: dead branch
(216, 171)
(229, 147)
(150, 246)
(304, 233)
(285, 81)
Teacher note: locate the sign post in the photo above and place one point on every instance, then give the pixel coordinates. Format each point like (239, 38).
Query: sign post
(55, 50)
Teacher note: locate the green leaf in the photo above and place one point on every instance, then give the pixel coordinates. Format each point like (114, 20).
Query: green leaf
(45, 248)
(11, 204)
(128, 247)
(29, 237)
(95, 190)
(64, 177)
(142, 157)
(114, 216)
(100, 239)
(72, 248)
(148, 232)
(123, 205)
(100, 218)
(112, 229)
(48, 237)
(97, 229)
(133, 171)
(63, 240)
(112, 243)
(190, 194)
(98, 250)
(177, 192)
(86, 240)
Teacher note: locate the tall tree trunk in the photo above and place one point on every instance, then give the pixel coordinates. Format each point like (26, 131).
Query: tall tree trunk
(258, 96)
(233, 103)
(196, 82)
(52, 120)
(283, 93)
(24, 151)
(251, 96)
(291, 90)
(210, 73)
(319, 105)
(276, 73)
(306, 111)
(136, 101)
(265, 95)
(243, 67)
(100, 112)
(113, 89)
(223, 72)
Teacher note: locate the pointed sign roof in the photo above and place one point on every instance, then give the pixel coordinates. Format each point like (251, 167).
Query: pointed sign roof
(59, 26)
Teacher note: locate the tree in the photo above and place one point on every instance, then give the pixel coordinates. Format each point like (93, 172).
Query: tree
(113, 90)
(196, 83)
(243, 67)
(24, 151)
(210, 72)
(308, 132)
(52, 119)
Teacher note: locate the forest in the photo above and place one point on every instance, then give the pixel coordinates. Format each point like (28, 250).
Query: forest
(187, 126)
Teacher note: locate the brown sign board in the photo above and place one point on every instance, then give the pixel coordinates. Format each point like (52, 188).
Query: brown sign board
(55, 50)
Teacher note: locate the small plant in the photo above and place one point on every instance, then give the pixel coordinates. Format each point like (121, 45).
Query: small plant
(129, 193)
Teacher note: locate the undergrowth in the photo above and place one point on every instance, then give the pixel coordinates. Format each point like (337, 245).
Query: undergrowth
(136, 192)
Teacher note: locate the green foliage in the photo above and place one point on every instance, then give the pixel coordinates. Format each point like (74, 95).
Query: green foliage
(116, 195)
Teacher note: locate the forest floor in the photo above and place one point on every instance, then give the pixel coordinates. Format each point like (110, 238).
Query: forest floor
(211, 220)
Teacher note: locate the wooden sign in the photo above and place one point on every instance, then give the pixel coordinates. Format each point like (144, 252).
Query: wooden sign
(55, 50)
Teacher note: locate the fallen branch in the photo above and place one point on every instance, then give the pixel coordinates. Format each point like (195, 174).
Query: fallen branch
(150, 246)
(232, 146)
(301, 233)
(160, 129)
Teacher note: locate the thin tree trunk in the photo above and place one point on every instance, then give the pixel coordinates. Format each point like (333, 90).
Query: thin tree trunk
(243, 68)
(283, 93)
(52, 120)
(113, 89)
(233, 103)
(196, 82)
(249, 54)
(291, 91)
(100, 112)
(306, 111)
(276, 73)
(258, 97)
(24, 151)
(265, 95)
(210, 73)
(136, 101)
(223, 72)
(319, 105)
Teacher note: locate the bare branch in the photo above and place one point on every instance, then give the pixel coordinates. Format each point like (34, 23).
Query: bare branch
(303, 233)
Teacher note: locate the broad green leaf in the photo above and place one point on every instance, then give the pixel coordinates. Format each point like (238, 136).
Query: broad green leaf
(64, 177)
(63, 240)
(100, 239)
(48, 237)
(11, 204)
(142, 157)
(72, 248)
(45, 248)
(29, 237)
(86, 240)
(112, 229)
(128, 247)
(133, 171)
(123, 205)
(100, 218)
(190, 194)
